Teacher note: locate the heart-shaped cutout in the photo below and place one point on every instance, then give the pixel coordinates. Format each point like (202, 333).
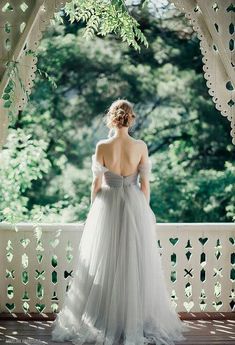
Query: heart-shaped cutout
(173, 240)
(188, 305)
(217, 305)
(11, 306)
(40, 307)
(25, 242)
(54, 243)
(203, 240)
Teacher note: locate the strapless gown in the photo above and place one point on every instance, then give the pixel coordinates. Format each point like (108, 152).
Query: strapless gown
(118, 293)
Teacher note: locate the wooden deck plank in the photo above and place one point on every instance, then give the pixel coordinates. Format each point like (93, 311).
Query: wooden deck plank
(183, 315)
(202, 332)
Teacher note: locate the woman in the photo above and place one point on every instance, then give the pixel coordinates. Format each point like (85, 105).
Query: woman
(118, 293)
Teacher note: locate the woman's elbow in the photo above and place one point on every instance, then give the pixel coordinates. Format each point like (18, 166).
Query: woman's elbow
(144, 186)
(96, 185)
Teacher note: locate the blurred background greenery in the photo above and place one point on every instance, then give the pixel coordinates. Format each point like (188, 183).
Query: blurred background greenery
(46, 164)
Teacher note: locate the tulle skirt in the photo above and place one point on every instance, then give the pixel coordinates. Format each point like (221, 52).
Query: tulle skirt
(118, 294)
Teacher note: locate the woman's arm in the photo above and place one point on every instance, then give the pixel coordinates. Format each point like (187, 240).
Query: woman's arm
(95, 187)
(145, 187)
(144, 180)
(97, 180)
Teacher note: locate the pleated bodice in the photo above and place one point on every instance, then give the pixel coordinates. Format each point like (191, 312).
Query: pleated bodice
(114, 180)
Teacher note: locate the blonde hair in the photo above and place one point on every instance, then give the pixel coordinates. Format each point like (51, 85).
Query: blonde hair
(120, 114)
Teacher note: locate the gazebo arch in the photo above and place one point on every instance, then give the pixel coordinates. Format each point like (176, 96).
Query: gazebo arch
(213, 21)
(23, 22)
(22, 26)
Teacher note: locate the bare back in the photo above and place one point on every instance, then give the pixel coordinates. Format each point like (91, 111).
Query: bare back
(122, 155)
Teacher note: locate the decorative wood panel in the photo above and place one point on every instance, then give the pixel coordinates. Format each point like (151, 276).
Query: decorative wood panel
(38, 263)
(21, 29)
(214, 22)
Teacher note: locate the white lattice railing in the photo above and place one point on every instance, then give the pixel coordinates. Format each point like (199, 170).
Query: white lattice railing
(37, 265)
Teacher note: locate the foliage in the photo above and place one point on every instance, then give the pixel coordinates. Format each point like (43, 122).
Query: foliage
(105, 17)
(101, 18)
(188, 140)
(204, 196)
(22, 161)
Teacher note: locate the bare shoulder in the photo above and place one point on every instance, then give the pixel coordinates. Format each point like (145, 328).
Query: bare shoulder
(101, 144)
(142, 145)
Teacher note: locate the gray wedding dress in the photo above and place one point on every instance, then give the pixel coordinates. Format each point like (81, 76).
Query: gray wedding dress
(118, 293)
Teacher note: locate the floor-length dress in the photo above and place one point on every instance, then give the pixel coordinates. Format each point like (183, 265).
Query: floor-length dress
(118, 293)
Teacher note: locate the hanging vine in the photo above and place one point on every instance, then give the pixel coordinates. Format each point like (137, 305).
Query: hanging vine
(105, 17)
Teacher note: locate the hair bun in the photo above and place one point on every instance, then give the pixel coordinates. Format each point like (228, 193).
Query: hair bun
(120, 114)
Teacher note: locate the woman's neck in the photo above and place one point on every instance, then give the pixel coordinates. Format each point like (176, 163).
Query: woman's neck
(121, 132)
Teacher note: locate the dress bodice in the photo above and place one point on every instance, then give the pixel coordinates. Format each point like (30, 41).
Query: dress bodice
(115, 180)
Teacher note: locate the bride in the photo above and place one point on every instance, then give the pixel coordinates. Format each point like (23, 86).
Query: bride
(118, 292)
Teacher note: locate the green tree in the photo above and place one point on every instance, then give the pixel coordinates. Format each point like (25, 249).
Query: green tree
(188, 140)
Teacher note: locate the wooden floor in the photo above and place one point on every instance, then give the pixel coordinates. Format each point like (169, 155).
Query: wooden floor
(203, 332)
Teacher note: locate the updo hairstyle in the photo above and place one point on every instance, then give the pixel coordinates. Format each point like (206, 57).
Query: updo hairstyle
(120, 114)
